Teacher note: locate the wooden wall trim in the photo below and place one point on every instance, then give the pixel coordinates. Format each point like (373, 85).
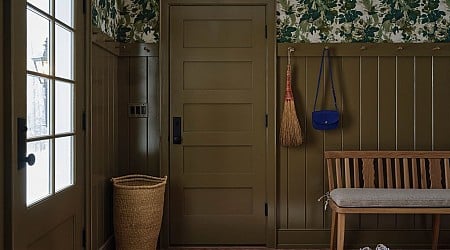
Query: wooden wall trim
(2, 139)
(367, 49)
(355, 239)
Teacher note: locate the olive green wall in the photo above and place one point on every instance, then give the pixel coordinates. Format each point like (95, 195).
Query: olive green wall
(103, 142)
(390, 98)
(120, 145)
(2, 139)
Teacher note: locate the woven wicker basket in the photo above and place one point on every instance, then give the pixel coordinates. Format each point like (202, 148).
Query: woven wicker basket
(138, 203)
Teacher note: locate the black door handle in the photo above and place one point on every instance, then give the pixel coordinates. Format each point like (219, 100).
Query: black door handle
(23, 159)
(176, 129)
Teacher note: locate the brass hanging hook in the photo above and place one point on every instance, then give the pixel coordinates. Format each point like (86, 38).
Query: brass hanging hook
(290, 50)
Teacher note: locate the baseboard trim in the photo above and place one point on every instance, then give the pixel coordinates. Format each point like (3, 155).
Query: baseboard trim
(418, 239)
(109, 244)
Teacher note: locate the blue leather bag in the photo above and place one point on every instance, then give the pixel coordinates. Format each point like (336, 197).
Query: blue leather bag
(325, 119)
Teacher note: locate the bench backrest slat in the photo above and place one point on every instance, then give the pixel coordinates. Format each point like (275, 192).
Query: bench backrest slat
(338, 173)
(356, 173)
(398, 174)
(415, 176)
(390, 183)
(348, 182)
(447, 173)
(368, 173)
(330, 174)
(388, 169)
(435, 173)
(423, 174)
(406, 182)
(380, 173)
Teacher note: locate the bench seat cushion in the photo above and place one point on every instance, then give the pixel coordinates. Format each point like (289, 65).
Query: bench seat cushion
(380, 197)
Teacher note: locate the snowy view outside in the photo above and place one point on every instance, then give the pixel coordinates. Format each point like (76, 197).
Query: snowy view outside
(50, 101)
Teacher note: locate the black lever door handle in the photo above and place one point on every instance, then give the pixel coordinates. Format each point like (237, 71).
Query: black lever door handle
(23, 159)
(176, 129)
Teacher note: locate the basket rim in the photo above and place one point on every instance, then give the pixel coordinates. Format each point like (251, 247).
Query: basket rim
(132, 177)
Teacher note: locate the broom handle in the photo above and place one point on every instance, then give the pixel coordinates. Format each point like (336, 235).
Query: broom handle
(288, 95)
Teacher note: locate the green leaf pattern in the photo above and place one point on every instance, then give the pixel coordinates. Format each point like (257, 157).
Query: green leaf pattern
(127, 20)
(302, 21)
(392, 21)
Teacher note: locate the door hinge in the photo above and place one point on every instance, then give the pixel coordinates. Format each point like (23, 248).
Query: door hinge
(266, 209)
(265, 31)
(83, 237)
(267, 120)
(83, 120)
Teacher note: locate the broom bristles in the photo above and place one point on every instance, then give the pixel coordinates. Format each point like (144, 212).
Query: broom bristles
(290, 131)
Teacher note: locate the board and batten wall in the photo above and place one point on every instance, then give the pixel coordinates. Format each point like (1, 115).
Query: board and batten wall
(391, 97)
(104, 142)
(138, 74)
(2, 139)
(121, 74)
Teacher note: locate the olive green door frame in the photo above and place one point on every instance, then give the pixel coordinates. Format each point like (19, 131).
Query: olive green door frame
(270, 105)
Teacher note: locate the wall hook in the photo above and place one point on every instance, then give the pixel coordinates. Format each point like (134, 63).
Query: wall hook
(363, 48)
(399, 48)
(290, 50)
(436, 48)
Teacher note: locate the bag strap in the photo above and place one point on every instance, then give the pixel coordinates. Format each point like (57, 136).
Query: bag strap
(331, 76)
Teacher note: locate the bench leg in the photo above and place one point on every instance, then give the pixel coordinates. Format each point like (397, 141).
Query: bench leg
(340, 231)
(436, 225)
(333, 230)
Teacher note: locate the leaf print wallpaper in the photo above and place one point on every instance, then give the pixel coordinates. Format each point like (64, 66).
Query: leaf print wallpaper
(302, 21)
(343, 21)
(127, 20)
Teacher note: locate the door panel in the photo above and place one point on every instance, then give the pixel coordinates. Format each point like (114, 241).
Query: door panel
(48, 90)
(218, 88)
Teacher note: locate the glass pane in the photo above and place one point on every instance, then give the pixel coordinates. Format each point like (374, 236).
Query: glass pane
(63, 107)
(63, 163)
(63, 11)
(38, 106)
(43, 5)
(63, 52)
(38, 175)
(38, 43)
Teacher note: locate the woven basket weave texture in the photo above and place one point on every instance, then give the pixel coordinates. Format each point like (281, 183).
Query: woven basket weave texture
(138, 203)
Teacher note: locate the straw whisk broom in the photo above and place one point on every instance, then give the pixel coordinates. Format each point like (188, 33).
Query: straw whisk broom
(290, 131)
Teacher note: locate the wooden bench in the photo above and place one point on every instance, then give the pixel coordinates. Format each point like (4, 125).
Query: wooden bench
(387, 182)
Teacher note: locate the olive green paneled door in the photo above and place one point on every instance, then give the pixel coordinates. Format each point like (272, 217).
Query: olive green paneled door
(218, 131)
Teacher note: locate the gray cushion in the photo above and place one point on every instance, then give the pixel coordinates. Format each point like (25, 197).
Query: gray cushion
(378, 197)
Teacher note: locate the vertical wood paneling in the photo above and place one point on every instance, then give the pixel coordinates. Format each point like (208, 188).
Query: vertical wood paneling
(104, 154)
(2, 139)
(153, 129)
(441, 104)
(385, 104)
(386, 120)
(138, 126)
(283, 151)
(123, 88)
(369, 118)
(423, 100)
(350, 113)
(332, 138)
(296, 156)
(405, 117)
(423, 117)
(314, 152)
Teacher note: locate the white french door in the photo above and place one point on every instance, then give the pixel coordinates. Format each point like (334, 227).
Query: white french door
(48, 94)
